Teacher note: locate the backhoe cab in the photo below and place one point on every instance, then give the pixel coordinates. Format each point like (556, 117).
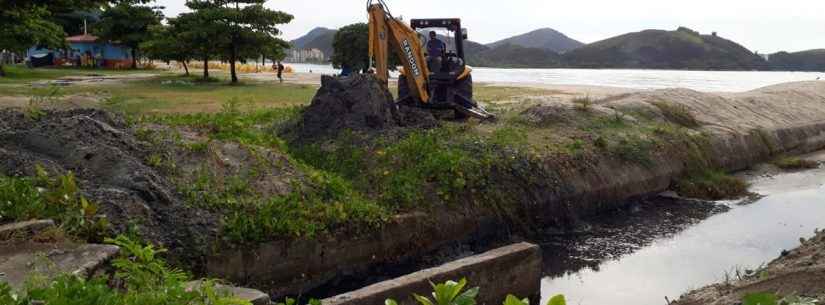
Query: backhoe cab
(436, 81)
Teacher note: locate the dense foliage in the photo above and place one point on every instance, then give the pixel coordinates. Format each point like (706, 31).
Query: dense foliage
(141, 278)
(246, 28)
(128, 23)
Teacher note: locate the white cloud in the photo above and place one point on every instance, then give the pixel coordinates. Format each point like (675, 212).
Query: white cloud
(765, 26)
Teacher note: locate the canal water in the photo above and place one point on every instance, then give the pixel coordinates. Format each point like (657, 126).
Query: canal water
(677, 251)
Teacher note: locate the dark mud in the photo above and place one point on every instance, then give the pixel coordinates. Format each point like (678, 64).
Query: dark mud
(585, 244)
(614, 234)
(108, 162)
(357, 103)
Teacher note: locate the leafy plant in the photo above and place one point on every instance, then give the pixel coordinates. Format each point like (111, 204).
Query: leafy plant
(513, 300)
(449, 293)
(557, 300)
(759, 299)
(59, 198)
(711, 185)
(139, 266)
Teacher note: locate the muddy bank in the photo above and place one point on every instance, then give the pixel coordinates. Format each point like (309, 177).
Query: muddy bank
(109, 163)
(797, 273)
(728, 132)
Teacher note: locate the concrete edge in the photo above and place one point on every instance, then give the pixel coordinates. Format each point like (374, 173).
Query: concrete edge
(512, 269)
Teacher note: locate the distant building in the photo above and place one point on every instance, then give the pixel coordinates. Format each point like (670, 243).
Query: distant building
(306, 55)
(84, 50)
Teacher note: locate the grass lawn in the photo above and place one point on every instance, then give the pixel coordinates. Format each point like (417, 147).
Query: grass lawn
(17, 74)
(178, 94)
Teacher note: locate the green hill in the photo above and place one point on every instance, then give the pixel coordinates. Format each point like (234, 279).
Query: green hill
(811, 60)
(658, 49)
(513, 56)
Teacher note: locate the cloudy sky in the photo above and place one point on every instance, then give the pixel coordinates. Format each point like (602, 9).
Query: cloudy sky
(762, 25)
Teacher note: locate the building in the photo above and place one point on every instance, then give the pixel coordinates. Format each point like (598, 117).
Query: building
(306, 55)
(84, 50)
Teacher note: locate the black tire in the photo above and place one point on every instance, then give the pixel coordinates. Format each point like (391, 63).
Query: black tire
(404, 93)
(464, 87)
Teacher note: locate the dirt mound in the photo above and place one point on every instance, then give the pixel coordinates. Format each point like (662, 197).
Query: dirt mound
(109, 163)
(559, 112)
(800, 272)
(357, 103)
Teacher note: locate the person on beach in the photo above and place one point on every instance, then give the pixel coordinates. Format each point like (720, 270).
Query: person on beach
(280, 68)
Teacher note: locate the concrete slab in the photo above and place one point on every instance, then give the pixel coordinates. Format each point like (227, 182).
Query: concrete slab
(256, 297)
(20, 261)
(514, 269)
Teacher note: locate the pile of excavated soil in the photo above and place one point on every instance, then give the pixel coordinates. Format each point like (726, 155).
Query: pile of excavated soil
(800, 272)
(357, 103)
(109, 163)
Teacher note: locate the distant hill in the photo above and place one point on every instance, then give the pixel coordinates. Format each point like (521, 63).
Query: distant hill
(546, 39)
(301, 42)
(322, 42)
(658, 49)
(811, 60)
(514, 56)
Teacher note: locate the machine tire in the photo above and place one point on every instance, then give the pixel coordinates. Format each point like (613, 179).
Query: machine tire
(464, 87)
(404, 91)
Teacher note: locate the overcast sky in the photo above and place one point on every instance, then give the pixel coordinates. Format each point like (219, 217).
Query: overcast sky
(766, 26)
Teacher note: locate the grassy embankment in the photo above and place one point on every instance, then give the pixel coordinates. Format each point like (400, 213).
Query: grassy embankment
(356, 182)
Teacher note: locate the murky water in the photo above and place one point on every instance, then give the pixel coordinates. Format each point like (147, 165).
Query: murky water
(735, 81)
(706, 252)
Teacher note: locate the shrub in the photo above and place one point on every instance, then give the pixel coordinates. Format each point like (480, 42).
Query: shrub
(144, 279)
(794, 163)
(584, 104)
(711, 185)
(59, 198)
(677, 113)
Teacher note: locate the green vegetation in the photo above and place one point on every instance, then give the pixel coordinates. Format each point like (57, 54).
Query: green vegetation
(794, 163)
(140, 278)
(677, 113)
(450, 293)
(18, 74)
(764, 298)
(59, 198)
(128, 22)
(711, 185)
(584, 104)
(245, 28)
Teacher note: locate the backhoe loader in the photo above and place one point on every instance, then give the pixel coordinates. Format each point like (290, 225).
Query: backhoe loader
(436, 81)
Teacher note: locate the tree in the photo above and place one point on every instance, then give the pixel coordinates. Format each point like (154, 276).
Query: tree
(243, 25)
(25, 23)
(128, 23)
(165, 44)
(351, 48)
(201, 35)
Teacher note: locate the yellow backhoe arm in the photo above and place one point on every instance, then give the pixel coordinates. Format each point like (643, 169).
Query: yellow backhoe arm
(387, 32)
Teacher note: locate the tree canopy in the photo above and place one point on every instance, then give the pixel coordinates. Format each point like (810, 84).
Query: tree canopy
(246, 28)
(24, 23)
(351, 48)
(128, 23)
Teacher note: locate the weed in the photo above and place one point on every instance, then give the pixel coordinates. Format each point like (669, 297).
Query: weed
(677, 113)
(583, 104)
(40, 98)
(449, 293)
(711, 185)
(633, 148)
(509, 136)
(141, 278)
(57, 198)
(794, 163)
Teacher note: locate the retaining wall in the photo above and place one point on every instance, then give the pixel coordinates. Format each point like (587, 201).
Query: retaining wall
(514, 269)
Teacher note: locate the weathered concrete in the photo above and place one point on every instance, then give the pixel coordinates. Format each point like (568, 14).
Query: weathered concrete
(19, 261)
(256, 297)
(293, 267)
(514, 269)
(24, 229)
